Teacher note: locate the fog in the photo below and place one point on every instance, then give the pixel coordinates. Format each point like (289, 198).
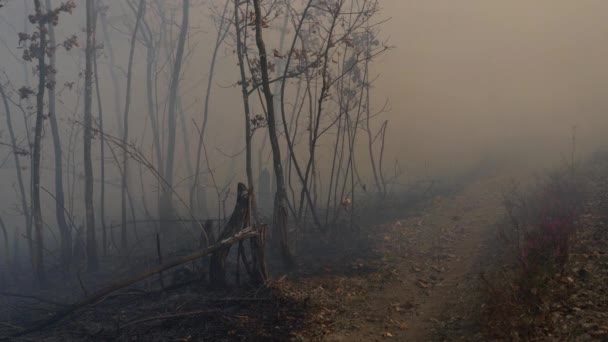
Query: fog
(473, 77)
(460, 83)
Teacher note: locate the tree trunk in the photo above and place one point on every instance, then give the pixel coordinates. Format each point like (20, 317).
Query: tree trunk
(7, 254)
(150, 55)
(280, 206)
(64, 229)
(304, 179)
(16, 153)
(92, 260)
(196, 191)
(125, 137)
(166, 203)
(38, 257)
(113, 74)
(247, 110)
(370, 139)
(102, 164)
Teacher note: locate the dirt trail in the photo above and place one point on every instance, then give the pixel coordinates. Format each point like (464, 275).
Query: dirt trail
(435, 272)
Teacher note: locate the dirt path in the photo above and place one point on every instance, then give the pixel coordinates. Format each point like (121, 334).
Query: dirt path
(436, 257)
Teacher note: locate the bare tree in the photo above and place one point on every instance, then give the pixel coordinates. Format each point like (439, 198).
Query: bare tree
(222, 30)
(240, 24)
(38, 258)
(102, 164)
(92, 259)
(166, 206)
(280, 200)
(64, 229)
(16, 154)
(125, 136)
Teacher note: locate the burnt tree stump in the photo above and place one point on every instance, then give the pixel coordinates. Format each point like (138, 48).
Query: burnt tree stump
(237, 221)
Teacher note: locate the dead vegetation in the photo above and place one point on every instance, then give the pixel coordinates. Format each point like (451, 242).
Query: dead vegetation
(549, 279)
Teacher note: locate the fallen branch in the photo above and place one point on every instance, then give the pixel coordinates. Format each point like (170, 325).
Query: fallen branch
(12, 326)
(163, 317)
(244, 234)
(40, 299)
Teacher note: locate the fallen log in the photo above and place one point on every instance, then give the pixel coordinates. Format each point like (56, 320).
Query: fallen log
(244, 234)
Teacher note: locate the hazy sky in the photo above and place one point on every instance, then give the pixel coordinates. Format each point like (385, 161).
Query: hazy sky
(470, 74)
(467, 79)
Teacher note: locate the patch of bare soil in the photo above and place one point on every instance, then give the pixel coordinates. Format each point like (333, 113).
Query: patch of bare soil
(422, 280)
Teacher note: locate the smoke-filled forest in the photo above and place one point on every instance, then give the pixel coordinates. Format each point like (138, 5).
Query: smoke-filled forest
(303, 170)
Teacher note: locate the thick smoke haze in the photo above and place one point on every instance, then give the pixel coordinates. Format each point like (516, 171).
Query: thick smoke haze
(464, 81)
(303, 170)
(495, 78)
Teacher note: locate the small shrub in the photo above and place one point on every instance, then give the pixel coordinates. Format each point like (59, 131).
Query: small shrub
(536, 243)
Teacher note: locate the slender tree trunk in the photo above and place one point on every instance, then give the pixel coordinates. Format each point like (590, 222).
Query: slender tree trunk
(23, 195)
(7, 254)
(38, 257)
(303, 179)
(92, 260)
(125, 136)
(166, 203)
(196, 192)
(185, 135)
(151, 108)
(280, 206)
(102, 163)
(247, 110)
(113, 74)
(64, 229)
(28, 83)
(380, 162)
(370, 141)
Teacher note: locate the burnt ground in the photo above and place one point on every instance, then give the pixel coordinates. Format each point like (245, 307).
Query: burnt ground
(386, 281)
(410, 279)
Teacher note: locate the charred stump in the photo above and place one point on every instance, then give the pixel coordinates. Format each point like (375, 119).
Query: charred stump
(237, 221)
(259, 275)
(240, 219)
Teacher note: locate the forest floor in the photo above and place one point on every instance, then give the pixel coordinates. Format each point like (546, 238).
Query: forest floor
(410, 279)
(423, 283)
(435, 273)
